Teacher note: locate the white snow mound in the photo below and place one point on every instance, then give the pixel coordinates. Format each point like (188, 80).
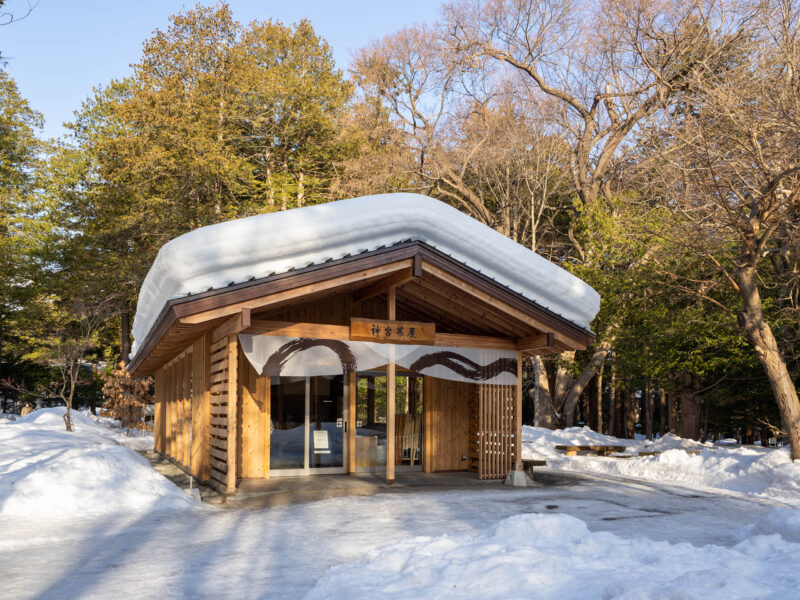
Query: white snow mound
(556, 556)
(762, 472)
(236, 251)
(47, 472)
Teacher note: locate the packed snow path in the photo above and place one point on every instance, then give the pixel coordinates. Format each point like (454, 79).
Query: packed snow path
(284, 552)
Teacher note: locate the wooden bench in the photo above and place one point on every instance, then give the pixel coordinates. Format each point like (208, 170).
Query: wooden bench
(656, 453)
(591, 449)
(529, 463)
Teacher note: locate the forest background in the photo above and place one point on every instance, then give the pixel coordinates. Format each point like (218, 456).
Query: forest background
(650, 147)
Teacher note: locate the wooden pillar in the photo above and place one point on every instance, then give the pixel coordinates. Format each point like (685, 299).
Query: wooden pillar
(518, 416)
(427, 429)
(233, 425)
(350, 382)
(390, 399)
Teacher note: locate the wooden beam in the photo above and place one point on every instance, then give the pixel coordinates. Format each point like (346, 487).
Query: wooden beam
(458, 304)
(417, 268)
(475, 292)
(383, 285)
(320, 331)
(474, 341)
(324, 331)
(306, 290)
(233, 326)
(542, 341)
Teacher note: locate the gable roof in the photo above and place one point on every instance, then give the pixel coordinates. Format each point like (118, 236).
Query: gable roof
(253, 248)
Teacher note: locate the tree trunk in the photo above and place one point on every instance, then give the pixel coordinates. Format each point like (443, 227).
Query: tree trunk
(573, 393)
(125, 336)
(591, 413)
(584, 406)
(546, 415)
(599, 394)
(673, 413)
(612, 400)
(631, 411)
(648, 410)
(662, 410)
(690, 408)
(752, 320)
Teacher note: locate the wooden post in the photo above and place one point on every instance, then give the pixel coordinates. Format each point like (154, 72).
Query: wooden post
(390, 400)
(351, 422)
(233, 394)
(518, 416)
(427, 428)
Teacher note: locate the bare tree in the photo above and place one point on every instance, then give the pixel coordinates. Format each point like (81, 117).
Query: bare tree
(466, 135)
(732, 168)
(608, 66)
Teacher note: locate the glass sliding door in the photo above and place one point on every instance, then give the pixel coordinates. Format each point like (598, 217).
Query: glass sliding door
(371, 422)
(307, 425)
(327, 422)
(287, 437)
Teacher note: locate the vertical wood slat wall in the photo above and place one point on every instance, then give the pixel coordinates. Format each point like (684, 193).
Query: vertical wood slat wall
(173, 433)
(218, 415)
(493, 421)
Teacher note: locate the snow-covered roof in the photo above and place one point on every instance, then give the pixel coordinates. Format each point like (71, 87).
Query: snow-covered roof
(237, 251)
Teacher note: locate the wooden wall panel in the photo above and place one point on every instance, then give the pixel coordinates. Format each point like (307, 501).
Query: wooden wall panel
(174, 413)
(233, 420)
(447, 424)
(160, 412)
(334, 310)
(218, 416)
(201, 355)
(254, 418)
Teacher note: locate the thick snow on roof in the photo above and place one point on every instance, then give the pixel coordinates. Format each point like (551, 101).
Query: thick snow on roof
(236, 251)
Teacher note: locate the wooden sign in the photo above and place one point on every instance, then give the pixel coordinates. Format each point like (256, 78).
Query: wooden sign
(392, 332)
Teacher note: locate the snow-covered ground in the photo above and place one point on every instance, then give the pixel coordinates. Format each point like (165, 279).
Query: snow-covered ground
(761, 472)
(572, 535)
(48, 473)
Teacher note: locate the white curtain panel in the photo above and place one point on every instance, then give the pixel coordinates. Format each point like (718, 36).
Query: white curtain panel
(307, 357)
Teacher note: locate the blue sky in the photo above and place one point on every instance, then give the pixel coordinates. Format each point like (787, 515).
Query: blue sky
(64, 48)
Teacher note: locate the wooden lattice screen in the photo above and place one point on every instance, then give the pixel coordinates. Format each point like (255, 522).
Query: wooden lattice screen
(174, 399)
(218, 430)
(493, 429)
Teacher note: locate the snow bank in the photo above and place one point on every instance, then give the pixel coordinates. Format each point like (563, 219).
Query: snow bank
(761, 472)
(47, 472)
(213, 257)
(556, 556)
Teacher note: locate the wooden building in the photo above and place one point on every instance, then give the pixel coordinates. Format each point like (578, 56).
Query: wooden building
(397, 348)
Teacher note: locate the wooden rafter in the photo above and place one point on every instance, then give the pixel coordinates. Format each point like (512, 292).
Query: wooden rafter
(383, 285)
